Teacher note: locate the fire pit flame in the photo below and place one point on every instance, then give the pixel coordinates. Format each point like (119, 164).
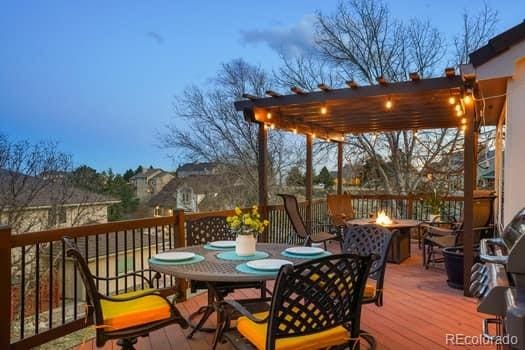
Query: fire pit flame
(383, 219)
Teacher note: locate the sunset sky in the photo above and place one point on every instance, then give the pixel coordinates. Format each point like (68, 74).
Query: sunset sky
(99, 76)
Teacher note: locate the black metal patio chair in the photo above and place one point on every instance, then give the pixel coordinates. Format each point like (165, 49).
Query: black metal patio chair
(292, 211)
(201, 231)
(366, 240)
(315, 304)
(124, 316)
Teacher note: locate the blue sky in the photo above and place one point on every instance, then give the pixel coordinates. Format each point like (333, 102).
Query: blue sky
(99, 76)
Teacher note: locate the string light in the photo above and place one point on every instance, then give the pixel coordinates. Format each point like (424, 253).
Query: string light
(269, 115)
(457, 108)
(388, 104)
(294, 130)
(342, 138)
(467, 99)
(463, 120)
(323, 110)
(459, 113)
(451, 100)
(272, 126)
(313, 135)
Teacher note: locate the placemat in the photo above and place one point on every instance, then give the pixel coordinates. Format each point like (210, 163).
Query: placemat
(210, 247)
(197, 258)
(246, 269)
(231, 255)
(298, 256)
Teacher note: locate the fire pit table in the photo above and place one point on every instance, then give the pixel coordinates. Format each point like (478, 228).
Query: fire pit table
(400, 248)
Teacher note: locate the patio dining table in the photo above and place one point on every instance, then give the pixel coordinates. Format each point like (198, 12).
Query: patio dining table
(213, 270)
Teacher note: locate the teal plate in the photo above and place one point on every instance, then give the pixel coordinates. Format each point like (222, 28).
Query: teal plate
(246, 269)
(210, 247)
(231, 255)
(310, 256)
(195, 259)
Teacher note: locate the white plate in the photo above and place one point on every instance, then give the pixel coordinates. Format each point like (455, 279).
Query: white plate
(223, 244)
(304, 250)
(268, 264)
(174, 256)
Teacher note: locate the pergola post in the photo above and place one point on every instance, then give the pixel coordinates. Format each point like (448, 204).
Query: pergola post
(308, 183)
(469, 185)
(340, 167)
(263, 172)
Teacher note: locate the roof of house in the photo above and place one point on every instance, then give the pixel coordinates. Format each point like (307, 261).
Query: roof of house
(200, 184)
(31, 192)
(498, 44)
(197, 166)
(150, 172)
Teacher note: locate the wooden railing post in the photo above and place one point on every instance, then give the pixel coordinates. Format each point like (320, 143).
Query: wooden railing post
(180, 224)
(5, 291)
(410, 206)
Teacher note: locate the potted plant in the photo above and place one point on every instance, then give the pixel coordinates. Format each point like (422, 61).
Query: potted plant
(247, 225)
(435, 204)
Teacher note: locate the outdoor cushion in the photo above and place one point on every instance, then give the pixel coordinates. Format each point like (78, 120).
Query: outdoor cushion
(126, 314)
(256, 334)
(370, 290)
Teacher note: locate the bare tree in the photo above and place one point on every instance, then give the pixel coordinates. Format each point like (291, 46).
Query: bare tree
(207, 127)
(477, 29)
(362, 39)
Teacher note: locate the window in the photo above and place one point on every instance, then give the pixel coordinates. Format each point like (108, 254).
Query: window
(157, 211)
(186, 196)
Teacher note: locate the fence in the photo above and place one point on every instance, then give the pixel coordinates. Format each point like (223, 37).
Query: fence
(45, 298)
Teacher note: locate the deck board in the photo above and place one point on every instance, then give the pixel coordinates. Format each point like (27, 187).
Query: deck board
(419, 309)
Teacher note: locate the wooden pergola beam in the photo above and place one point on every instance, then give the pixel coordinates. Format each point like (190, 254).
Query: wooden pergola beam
(301, 97)
(340, 150)
(272, 93)
(324, 87)
(352, 84)
(309, 181)
(297, 90)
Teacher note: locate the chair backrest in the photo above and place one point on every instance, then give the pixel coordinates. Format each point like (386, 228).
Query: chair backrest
(340, 208)
(481, 218)
(292, 211)
(74, 253)
(317, 295)
(208, 229)
(366, 240)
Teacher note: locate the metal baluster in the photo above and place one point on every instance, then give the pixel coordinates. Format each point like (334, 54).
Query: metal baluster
(63, 283)
(116, 261)
(142, 255)
(22, 292)
(134, 264)
(50, 293)
(75, 297)
(37, 287)
(107, 262)
(97, 269)
(125, 260)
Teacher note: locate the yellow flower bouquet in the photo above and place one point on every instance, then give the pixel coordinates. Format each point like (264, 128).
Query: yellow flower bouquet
(248, 222)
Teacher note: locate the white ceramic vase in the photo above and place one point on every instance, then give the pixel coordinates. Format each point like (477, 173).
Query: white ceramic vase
(432, 217)
(245, 245)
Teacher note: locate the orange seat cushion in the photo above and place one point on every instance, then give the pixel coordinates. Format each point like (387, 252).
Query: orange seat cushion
(256, 334)
(370, 290)
(125, 314)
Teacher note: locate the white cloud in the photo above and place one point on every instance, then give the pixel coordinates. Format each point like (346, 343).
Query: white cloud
(291, 40)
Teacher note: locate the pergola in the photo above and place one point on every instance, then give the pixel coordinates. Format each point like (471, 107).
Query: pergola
(330, 114)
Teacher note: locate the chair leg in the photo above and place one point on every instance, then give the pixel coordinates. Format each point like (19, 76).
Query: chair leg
(127, 343)
(369, 338)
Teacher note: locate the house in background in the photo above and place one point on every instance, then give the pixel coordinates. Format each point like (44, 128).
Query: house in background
(191, 193)
(38, 204)
(149, 182)
(196, 169)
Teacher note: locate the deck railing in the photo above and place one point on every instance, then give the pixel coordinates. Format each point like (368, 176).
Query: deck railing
(45, 299)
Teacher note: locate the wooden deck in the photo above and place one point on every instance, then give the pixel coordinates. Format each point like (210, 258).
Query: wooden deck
(420, 309)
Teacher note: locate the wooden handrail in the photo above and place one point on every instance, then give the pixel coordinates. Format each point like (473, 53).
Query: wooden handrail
(88, 230)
